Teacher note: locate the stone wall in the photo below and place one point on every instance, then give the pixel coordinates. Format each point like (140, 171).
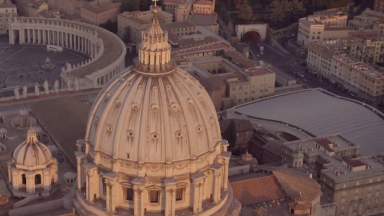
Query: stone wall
(278, 33)
(37, 208)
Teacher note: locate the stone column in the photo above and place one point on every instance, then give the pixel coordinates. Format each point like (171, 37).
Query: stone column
(30, 182)
(170, 201)
(79, 176)
(46, 180)
(197, 187)
(137, 201)
(49, 37)
(89, 187)
(216, 186)
(70, 41)
(33, 35)
(16, 180)
(11, 36)
(28, 36)
(66, 39)
(110, 198)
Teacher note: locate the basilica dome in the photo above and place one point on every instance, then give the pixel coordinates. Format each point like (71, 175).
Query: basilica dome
(154, 112)
(31, 153)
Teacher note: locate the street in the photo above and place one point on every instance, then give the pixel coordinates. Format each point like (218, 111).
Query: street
(286, 62)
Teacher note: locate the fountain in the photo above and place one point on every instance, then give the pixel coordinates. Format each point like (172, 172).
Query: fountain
(48, 64)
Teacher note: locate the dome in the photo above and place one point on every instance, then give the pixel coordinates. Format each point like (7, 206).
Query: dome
(154, 112)
(297, 154)
(153, 118)
(31, 152)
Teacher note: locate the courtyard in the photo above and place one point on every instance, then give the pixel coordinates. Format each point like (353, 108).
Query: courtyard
(21, 65)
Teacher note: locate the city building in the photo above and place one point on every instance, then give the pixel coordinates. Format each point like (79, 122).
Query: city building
(322, 25)
(244, 131)
(31, 8)
(351, 184)
(69, 6)
(99, 13)
(8, 11)
(312, 113)
(135, 179)
(57, 14)
(180, 9)
(378, 6)
(267, 190)
(367, 20)
(138, 21)
(360, 79)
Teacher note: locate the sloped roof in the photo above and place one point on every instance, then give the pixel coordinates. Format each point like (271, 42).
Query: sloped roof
(241, 125)
(257, 190)
(65, 119)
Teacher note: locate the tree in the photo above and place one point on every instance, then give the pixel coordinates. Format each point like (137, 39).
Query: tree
(297, 10)
(277, 12)
(127, 35)
(230, 135)
(110, 26)
(245, 13)
(130, 5)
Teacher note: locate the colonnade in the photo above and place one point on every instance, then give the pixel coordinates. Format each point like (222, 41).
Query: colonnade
(53, 37)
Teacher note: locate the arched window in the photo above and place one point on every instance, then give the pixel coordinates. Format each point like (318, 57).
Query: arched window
(23, 179)
(37, 179)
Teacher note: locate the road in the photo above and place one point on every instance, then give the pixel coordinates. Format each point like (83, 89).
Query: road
(286, 62)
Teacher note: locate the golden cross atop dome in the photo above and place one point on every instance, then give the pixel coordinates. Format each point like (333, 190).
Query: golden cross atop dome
(155, 2)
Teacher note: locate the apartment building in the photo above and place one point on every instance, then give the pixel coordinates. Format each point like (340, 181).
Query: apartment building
(378, 6)
(351, 184)
(366, 20)
(181, 28)
(368, 51)
(139, 21)
(322, 25)
(362, 80)
(204, 7)
(180, 9)
(254, 84)
(8, 11)
(320, 54)
(100, 12)
(31, 8)
(57, 14)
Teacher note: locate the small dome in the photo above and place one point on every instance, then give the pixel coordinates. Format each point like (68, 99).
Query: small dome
(246, 157)
(3, 130)
(31, 152)
(297, 154)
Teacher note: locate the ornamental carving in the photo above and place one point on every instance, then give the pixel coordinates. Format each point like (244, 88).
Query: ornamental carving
(118, 103)
(107, 97)
(155, 168)
(202, 159)
(181, 166)
(128, 165)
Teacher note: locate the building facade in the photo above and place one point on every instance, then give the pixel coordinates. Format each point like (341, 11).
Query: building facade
(8, 11)
(350, 183)
(321, 26)
(31, 8)
(99, 13)
(137, 178)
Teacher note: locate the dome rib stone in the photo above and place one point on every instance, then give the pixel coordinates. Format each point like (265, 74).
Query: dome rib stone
(180, 129)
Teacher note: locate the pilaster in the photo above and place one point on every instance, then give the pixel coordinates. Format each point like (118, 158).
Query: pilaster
(198, 180)
(138, 202)
(30, 177)
(225, 158)
(79, 160)
(46, 179)
(90, 170)
(170, 196)
(110, 180)
(217, 181)
(16, 179)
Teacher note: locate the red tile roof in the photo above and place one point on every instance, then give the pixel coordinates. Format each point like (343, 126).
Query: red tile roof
(325, 144)
(353, 163)
(257, 190)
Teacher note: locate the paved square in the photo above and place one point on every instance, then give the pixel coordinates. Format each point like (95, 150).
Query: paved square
(20, 65)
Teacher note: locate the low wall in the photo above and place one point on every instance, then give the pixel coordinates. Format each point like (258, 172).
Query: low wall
(37, 208)
(278, 33)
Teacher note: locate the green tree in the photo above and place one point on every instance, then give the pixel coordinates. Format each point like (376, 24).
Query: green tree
(110, 26)
(297, 10)
(245, 13)
(230, 135)
(130, 5)
(127, 35)
(277, 12)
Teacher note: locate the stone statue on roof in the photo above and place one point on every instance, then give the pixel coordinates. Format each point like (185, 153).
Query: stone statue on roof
(17, 93)
(56, 86)
(46, 87)
(37, 90)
